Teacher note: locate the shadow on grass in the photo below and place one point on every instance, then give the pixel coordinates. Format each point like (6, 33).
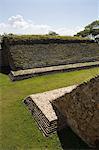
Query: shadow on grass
(5, 70)
(69, 140)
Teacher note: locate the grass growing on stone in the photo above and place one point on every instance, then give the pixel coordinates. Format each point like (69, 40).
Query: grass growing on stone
(33, 51)
(44, 37)
(18, 130)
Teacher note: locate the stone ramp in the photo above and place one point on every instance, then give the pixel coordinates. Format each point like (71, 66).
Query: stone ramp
(48, 119)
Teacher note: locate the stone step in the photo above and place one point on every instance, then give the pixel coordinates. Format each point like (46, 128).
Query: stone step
(48, 118)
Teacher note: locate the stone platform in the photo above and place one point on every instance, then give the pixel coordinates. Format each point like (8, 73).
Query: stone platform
(80, 108)
(76, 106)
(48, 119)
(24, 74)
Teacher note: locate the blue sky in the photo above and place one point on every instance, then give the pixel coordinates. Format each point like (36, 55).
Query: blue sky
(40, 16)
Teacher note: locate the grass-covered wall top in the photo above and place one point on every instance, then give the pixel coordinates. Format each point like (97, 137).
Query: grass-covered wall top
(30, 39)
(32, 51)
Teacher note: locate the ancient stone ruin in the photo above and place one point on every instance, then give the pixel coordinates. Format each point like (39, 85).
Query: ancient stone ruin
(76, 106)
(24, 74)
(42, 51)
(29, 56)
(43, 112)
(81, 110)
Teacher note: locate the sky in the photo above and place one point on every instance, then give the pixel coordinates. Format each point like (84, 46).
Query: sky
(65, 17)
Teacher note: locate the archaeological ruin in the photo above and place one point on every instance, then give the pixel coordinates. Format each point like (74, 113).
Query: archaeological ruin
(27, 56)
(75, 106)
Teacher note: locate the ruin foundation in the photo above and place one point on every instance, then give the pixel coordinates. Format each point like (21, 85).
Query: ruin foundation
(81, 110)
(48, 119)
(76, 106)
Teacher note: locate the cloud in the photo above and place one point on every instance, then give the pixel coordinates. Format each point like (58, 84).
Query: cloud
(17, 22)
(18, 25)
(69, 31)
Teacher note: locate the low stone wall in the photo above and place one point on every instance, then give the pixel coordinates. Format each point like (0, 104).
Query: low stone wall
(39, 104)
(76, 106)
(24, 74)
(81, 110)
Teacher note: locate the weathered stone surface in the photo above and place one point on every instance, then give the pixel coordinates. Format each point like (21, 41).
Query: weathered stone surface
(48, 119)
(81, 110)
(23, 74)
(3, 56)
(76, 106)
(28, 53)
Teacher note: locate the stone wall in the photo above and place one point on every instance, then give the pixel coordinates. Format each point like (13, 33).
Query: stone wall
(24, 74)
(81, 110)
(0, 53)
(4, 62)
(40, 106)
(41, 53)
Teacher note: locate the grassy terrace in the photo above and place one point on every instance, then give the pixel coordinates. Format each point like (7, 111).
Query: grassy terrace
(18, 130)
(44, 37)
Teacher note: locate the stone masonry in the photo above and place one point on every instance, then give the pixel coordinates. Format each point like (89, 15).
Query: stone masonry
(76, 106)
(40, 106)
(81, 110)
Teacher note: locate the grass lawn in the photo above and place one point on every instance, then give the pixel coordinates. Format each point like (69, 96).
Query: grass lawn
(18, 130)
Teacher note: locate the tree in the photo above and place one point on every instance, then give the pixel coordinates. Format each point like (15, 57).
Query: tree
(92, 28)
(92, 25)
(52, 33)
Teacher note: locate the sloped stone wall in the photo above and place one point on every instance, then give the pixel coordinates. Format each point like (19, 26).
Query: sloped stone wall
(48, 119)
(38, 53)
(42, 55)
(0, 54)
(4, 62)
(81, 110)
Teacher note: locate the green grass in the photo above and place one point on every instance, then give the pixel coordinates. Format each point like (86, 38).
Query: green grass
(13, 37)
(18, 130)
